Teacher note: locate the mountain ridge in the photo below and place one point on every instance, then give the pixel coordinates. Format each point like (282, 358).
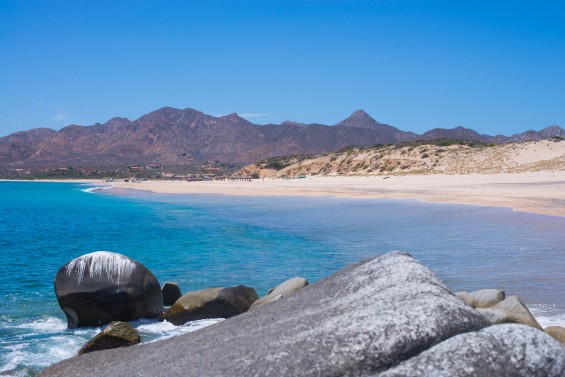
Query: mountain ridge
(188, 136)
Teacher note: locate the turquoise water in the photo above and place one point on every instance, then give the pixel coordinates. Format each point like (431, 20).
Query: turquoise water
(202, 241)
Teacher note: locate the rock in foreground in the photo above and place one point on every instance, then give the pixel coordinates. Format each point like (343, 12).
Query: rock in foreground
(115, 335)
(360, 321)
(502, 351)
(101, 287)
(211, 303)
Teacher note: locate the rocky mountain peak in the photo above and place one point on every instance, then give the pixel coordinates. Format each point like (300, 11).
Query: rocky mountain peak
(359, 118)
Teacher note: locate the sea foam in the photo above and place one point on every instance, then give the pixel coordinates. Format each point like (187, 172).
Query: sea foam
(151, 331)
(91, 190)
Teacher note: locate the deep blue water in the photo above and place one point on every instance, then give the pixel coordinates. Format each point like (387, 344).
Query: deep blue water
(203, 241)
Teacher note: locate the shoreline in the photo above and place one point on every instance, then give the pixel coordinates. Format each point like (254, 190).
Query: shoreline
(540, 193)
(537, 192)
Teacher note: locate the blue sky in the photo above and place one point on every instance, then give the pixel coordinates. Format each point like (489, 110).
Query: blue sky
(494, 66)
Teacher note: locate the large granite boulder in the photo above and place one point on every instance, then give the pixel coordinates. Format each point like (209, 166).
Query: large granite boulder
(115, 335)
(282, 290)
(503, 351)
(101, 287)
(362, 320)
(211, 303)
(511, 310)
(171, 293)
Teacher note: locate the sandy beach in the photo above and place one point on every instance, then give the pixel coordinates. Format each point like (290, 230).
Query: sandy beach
(534, 192)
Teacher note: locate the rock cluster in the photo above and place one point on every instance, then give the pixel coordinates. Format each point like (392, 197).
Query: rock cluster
(105, 287)
(497, 309)
(388, 316)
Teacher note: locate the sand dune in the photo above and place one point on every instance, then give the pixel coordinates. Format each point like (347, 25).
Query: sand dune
(433, 159)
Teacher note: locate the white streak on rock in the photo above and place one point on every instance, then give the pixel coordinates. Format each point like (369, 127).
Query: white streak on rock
(115, 266)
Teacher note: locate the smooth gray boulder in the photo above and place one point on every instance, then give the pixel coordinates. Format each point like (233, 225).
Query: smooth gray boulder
(282, 290)
(511, 310)
(211, 303)
(101, 287)
(364, 319)
(503, 351)
(115, 335)
(171, 293)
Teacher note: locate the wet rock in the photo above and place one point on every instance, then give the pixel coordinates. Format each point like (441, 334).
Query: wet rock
(211, 303)
(504, 351)
(511, 310)
(171, 293)
(366, 318)
(101, 287)
(115, 335)
(557, 332)
(288, 287)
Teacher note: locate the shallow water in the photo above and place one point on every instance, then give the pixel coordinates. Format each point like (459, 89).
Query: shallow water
(202, 241)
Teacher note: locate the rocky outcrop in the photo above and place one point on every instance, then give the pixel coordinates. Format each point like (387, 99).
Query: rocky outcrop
(171, 293)
(282, 290)
(502, 351)
(101, 287)
(511, 310)
(362, 320)
(115, 335)
(211, 303)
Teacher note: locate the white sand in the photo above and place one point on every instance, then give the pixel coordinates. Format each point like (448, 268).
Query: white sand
(534, 192)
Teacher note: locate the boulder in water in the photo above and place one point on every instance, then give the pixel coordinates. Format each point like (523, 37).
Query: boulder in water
(211, 303)
(101, 287)
(115, 335)
(171, 293)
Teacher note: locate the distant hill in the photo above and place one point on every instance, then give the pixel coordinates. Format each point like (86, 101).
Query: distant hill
(177, 137)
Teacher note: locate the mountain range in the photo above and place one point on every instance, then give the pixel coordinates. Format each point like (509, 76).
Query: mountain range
(176, 137)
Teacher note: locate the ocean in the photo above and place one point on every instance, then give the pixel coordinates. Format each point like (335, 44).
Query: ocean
(202, 241)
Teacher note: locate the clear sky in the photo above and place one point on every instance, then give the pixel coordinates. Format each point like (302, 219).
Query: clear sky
(494, 66)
